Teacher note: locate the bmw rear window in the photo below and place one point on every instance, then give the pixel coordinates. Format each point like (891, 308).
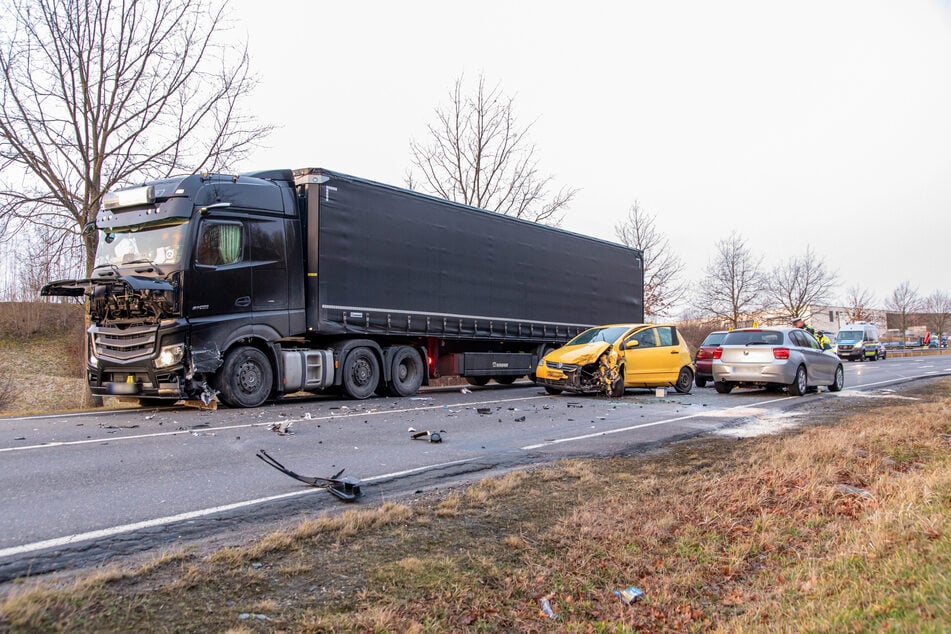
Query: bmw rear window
(713, 339)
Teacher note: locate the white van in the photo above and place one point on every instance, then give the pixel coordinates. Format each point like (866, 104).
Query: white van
(857, 342)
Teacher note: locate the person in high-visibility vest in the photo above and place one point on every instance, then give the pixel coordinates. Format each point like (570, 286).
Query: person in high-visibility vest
(824, 342)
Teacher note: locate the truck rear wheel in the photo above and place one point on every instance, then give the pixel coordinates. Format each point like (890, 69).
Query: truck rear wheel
(361, 373)
(505, 380)
(246, 378)
(406, 372)
(478, 381)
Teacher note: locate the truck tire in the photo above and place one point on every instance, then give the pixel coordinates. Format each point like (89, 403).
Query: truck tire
(505, 380)
(246, 377)
(406, 372)
(554, 391)
(361, 373)
(684, 381)
(478, 381)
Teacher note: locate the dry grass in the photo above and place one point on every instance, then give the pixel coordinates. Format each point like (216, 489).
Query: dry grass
(42, 357)
(722, 535)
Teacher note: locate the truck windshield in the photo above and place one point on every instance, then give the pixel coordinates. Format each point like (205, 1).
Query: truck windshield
(609, 334)
(155, 245)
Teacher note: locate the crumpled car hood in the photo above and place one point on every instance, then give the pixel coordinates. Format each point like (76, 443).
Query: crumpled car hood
(579, 355)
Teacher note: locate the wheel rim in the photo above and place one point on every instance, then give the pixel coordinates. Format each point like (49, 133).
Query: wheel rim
(801, 380)
(685, 379)
(250, 377)
(361, 372)
(839, 378)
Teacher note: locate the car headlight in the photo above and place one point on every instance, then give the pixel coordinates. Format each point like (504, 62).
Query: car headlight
(170, 355)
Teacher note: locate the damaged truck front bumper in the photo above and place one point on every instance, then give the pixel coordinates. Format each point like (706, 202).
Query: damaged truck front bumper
(141, 360)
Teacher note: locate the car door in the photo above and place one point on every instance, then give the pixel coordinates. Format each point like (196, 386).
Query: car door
(820, 366)
(644, 359)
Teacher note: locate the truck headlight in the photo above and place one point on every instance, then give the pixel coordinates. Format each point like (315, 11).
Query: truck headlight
(170, 355)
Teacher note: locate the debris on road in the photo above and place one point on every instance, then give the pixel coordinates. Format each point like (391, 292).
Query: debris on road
(484, 410)
(465, 390)
(282, 428)
(520, 419)
(347, 489)
(546, 610)
(431, 436)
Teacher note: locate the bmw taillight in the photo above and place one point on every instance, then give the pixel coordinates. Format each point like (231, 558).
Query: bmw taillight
(717, 353)
(781, 353)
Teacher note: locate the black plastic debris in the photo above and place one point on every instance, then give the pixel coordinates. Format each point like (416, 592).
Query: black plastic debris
(431, 436)
(484, 410)
(347, 489)
(520, 419)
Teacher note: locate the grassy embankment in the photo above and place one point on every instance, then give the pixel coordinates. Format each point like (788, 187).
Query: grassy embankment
(840, 526)
(42, 350)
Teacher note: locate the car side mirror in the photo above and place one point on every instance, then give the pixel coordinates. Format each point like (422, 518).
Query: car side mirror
(632, 343)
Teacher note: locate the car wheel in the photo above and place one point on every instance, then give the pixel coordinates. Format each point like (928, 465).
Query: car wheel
(554, 391)
(617, 388)
(700, 382)
(245, 378)
(800, 384)
(361, 373)
(723, 387)
(839, 381)
(684, 381)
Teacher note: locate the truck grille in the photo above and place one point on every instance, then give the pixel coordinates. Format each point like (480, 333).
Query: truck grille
(127, 343)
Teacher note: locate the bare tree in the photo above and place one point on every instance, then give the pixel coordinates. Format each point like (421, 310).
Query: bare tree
(477, 154)
(733, 282)
(904, 300)
(663, 288)
(858, 302)
(938, 309)
(101, 93)
(800, 282)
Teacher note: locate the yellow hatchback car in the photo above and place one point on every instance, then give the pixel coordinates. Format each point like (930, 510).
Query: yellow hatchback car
(608, 359)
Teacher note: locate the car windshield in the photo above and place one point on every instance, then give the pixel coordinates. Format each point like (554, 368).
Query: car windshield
(154, 245)
(753, 338)
(849, 335)
(608, 333)
(713, 339)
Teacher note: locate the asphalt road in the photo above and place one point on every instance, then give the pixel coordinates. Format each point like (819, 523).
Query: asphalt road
(83, 488)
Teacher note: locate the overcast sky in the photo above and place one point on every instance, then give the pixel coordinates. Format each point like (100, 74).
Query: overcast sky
(823, 124)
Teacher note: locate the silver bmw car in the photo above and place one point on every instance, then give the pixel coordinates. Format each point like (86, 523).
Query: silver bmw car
(776, 358)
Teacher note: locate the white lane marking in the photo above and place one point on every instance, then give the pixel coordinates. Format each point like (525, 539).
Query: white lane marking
(58, 542)
(297, 421)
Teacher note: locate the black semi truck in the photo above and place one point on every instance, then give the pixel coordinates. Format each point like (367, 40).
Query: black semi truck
(270, 283)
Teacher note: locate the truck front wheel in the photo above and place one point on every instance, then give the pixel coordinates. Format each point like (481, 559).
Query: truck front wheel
(245, 378)
(361, 373)
(406, 372)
